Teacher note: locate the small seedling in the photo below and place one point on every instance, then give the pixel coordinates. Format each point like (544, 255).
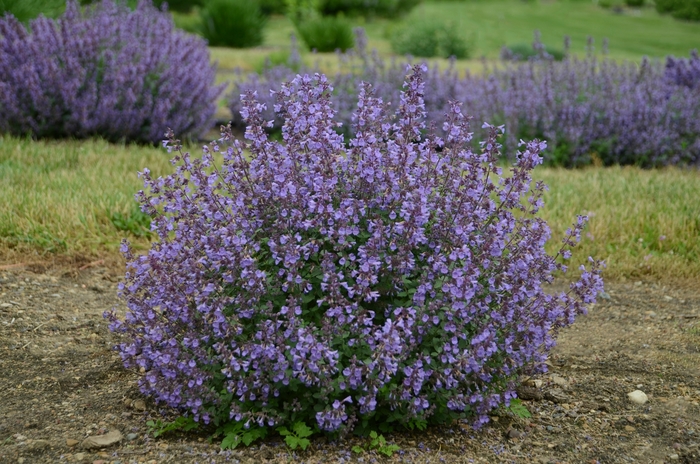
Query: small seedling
(518, 408)
(159, 427)
(297, 437)
(378, 443)
(235, 433)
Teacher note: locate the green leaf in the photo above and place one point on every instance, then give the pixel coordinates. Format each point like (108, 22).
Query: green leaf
(357, 449)
(248, 438)
(231, 441)
(389, 450)
(291, 441)
(517, 408)
(302, 430)
(304, 443)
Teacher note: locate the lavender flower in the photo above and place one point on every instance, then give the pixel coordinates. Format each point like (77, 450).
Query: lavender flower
(620, 113)
(106, 71)
(398, 277)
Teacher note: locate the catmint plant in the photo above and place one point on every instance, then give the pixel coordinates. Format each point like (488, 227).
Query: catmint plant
(397, 279)
(587, 109)
(104, 71)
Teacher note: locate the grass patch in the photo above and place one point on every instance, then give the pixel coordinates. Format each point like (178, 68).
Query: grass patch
(491, 24)
(642, 222)
(75, 198)
(69, 197)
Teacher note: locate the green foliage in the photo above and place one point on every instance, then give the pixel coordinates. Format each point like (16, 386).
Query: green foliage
(518, 408)
(181, 424)
(302, 10)
(368, 8)
(270, 7)
(429, 39)
(38, 238)
(181, 6)
(523, 52)
(274, 59)
(668, 6)
(326, 33)
(680, 9)
(634, 3)
(135, 221)
(298, 436)
(191, 23)
(377, 443)
(235, 433)
(233, 23)
(26, 10)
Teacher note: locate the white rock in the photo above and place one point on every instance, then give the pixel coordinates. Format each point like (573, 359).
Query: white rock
(638, 397)
(102, 441)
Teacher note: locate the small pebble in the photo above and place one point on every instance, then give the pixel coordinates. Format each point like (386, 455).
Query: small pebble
(513, 433)
(638, 397)
(673, 457)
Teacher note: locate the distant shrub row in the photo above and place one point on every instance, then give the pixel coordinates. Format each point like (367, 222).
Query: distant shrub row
(681, 9)
(588, 110)
(104, 71)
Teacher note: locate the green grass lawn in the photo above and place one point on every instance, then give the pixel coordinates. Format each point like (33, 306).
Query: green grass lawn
(75, 199)
(490, 24)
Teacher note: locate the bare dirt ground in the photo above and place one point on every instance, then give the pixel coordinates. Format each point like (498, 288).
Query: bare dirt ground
(60, 382)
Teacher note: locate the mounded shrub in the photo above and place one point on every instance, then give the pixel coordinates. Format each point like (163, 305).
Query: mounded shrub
(525, 52)
(680, 9)
(326, 33)
(233, 23)
(105, 71)
(428, 39)
(396, 280)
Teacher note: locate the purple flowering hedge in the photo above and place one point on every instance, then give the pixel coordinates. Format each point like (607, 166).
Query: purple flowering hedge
(586, 109)
(104, 71)
(396, 280)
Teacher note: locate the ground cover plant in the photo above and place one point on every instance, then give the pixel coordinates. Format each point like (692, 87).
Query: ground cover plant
(393, 283)
(107, 71)
(589, 110)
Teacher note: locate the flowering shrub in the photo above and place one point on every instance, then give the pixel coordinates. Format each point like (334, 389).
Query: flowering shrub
(106, 71)
(621, 113)
(684, 72)
(396, 280)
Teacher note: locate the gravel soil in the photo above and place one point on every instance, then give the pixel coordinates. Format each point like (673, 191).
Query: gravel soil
(60, 383)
